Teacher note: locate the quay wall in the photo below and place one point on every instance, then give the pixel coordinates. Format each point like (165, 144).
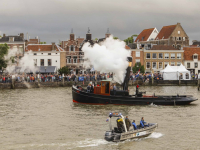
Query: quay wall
(25, 85)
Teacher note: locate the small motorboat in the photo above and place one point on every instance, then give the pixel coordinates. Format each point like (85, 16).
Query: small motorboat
(118, 134)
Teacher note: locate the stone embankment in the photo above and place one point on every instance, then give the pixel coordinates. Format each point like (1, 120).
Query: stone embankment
(25, 85)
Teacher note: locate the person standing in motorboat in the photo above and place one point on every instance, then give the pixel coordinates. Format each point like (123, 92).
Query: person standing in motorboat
(143, 123)
(134, 125)
(128, 123)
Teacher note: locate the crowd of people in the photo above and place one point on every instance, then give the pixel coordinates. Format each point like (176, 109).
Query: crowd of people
(145, 77)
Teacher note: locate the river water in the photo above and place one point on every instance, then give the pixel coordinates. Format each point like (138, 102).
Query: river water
(47, 119)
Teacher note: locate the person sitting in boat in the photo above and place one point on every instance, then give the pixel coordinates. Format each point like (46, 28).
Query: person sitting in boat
(143, 123)
(92, 89)
(88, 88)
(134, 125)
(128, 123)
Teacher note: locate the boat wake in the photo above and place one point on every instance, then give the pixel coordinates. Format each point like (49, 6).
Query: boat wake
(155, 135)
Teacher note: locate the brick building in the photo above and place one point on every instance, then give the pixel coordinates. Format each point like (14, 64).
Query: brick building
(192, 59)
(173, 35)
(73, 54)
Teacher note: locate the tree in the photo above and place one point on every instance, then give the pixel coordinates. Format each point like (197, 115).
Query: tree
(138, 67)
(63, 70)
(3, 51)
(115, 38)
(130, 39)
(96, 39)
(42, 42)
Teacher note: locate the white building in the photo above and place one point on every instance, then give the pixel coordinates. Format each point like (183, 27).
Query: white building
(47, 55)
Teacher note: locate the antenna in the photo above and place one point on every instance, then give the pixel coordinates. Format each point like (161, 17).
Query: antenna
(72, 31)
(88, 30)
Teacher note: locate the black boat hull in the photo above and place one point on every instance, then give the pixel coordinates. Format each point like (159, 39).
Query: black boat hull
(96, 99)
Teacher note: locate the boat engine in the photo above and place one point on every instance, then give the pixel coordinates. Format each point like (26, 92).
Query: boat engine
(109, 136)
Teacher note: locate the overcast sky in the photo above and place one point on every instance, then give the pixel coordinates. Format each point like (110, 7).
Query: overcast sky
(52, 20)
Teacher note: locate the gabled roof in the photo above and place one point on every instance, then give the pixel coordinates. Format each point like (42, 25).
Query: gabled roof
(190, 51)
(144, 35)
(165, 32)
(42, 47)
(163, 47)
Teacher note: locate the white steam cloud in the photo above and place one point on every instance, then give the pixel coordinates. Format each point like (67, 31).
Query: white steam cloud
(108, 56)
(26, 63)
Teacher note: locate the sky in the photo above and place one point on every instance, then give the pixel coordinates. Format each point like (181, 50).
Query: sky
(52, 20)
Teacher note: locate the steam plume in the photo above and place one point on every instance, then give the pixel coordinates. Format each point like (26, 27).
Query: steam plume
(108, 56)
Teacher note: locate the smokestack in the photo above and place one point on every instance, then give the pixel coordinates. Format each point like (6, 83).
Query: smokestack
(127, 76)
(22, 35)
(72, 35)
(53, 46)
(4, 35)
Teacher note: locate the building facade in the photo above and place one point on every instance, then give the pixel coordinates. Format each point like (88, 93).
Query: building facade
(15, 42)
(47, 55)
(159, 57)
(192, 59)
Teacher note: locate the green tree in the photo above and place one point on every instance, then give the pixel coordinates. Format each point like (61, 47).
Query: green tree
(3, 51)
(115, 38)
(138, 67)
(130, 39)
(64, 70)
(96, 39)
(42, 42)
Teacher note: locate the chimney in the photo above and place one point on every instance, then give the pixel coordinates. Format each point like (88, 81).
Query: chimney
(22, 35)
(4, 35)
(107, 33)
(88, 35)
(53, 46)
(72, 35)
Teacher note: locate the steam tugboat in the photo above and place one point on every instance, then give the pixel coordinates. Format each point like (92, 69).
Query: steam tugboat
(104, 95)
(116, 135)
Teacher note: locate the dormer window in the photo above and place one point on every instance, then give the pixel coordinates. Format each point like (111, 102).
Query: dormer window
(195, 56)
(11, 39)
(179, 32)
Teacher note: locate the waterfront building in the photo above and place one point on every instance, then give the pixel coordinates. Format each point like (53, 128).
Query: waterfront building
(159, 56)
(192, 59)
(15, 42)
(74, 58)
(138, 56)
(47, 55)
(173, 35)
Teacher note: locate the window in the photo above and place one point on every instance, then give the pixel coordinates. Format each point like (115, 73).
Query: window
(74, 59)
(11, 39)
(71, 48)
(166, 55)
(188, 65)
(42, 53)
(178, 55)
(172, 55)
(49, 53)
(195, 65)
(148, 65)
(183, 38)
(49, 62)
(154, 65)
(137, 62)
(172, 63)
(137, 54)
(179, 38)
(69, 59)
(166, 63)
(35, 54)
(41, 62)
(21, 49)
(179, 32)
(154, 55)
(160, 55)
(160, 65)
(148, 55)
(35, 62)
(56, 53)
(187, 76)
(195, 56)
(178, 63)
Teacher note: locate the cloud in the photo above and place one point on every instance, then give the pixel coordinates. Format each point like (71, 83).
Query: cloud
(52, 20)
